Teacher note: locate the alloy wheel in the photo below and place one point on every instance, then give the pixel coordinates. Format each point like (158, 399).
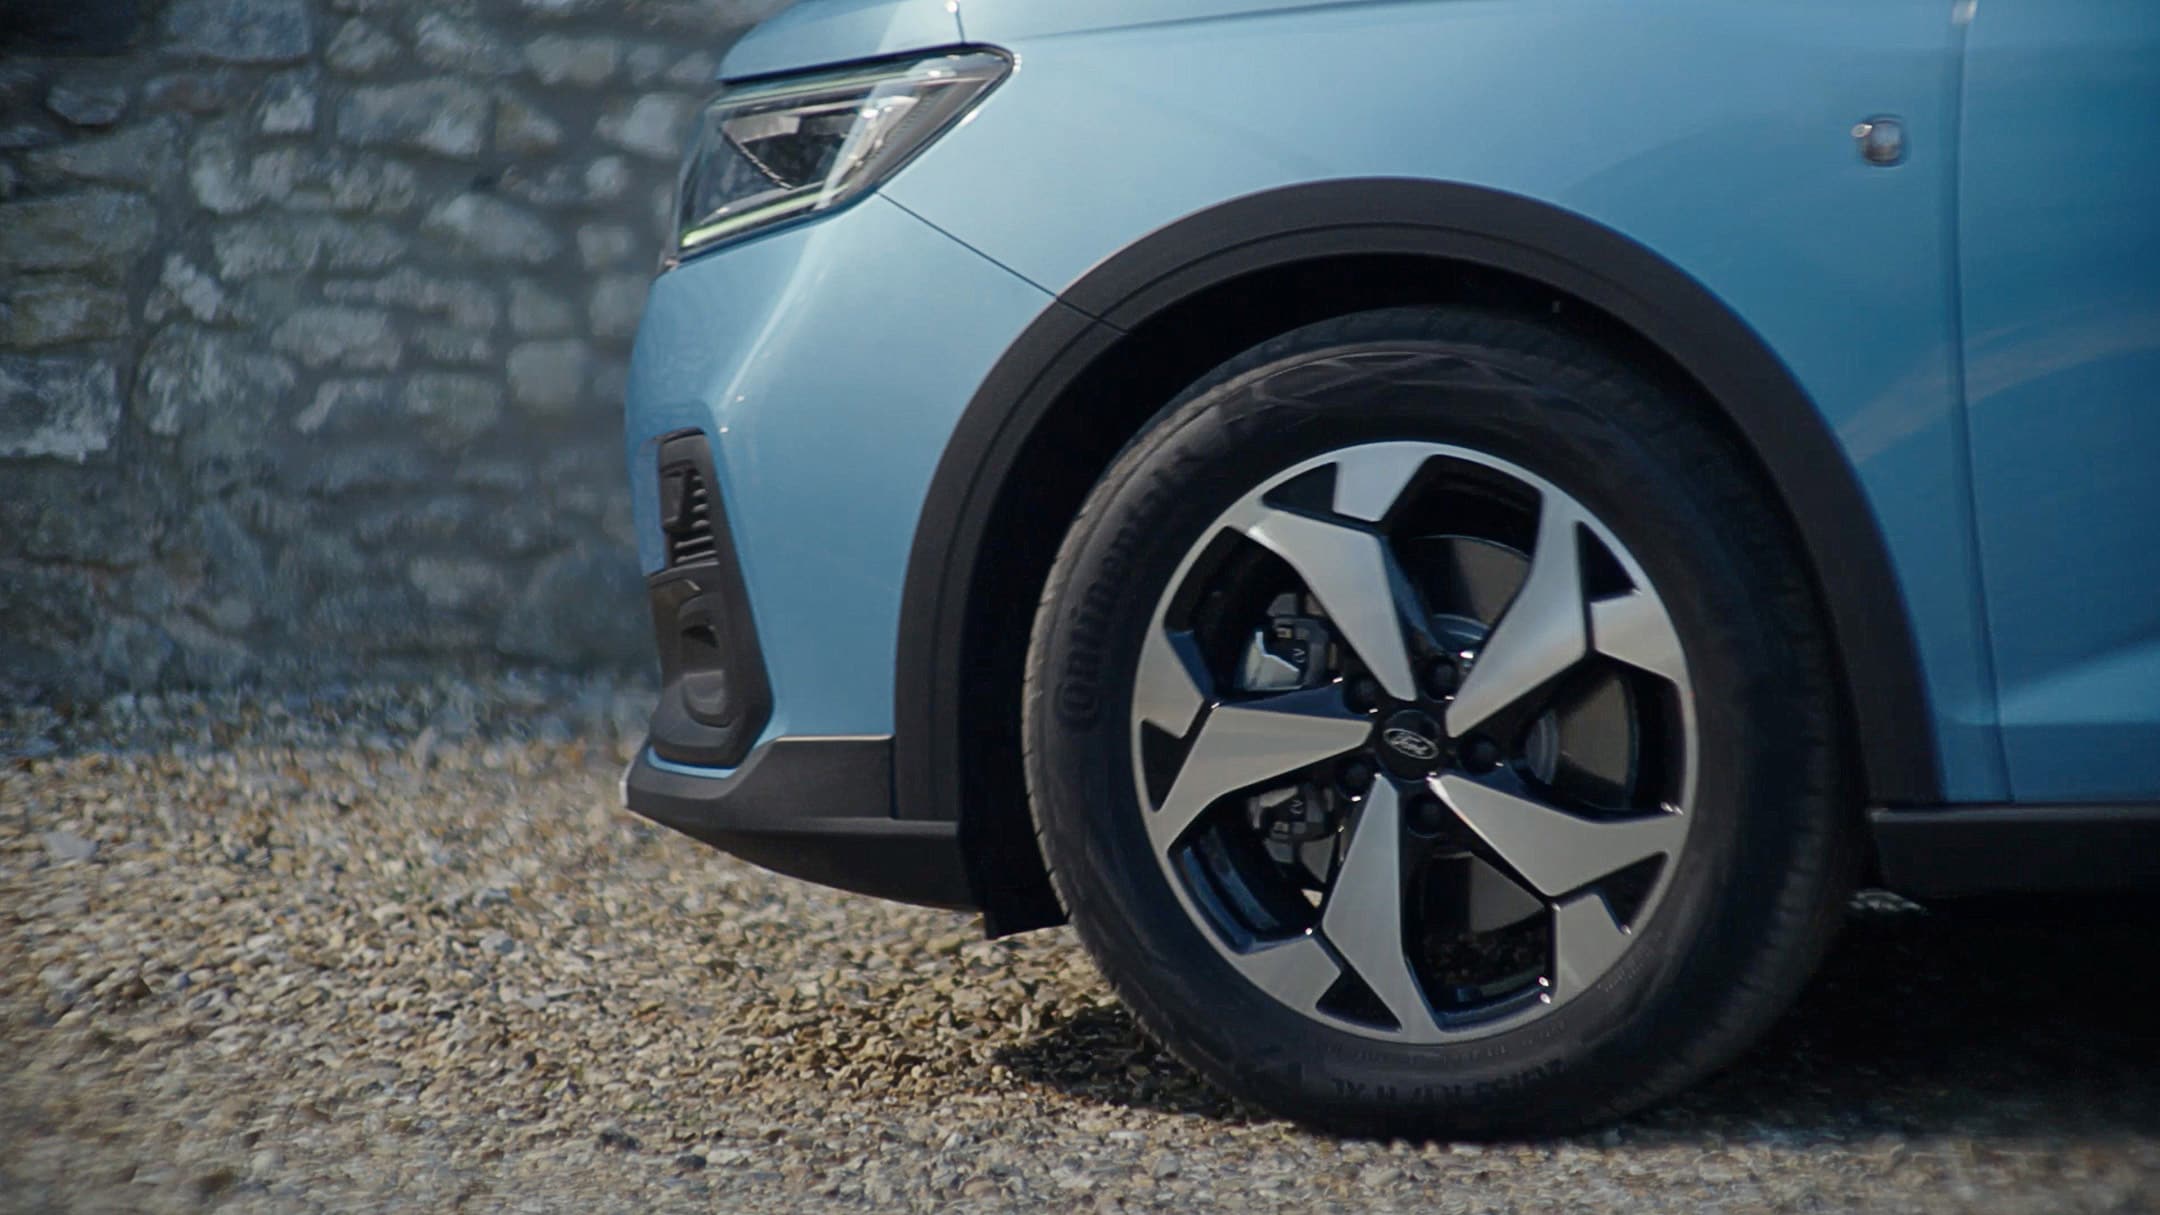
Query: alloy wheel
(1414, 741)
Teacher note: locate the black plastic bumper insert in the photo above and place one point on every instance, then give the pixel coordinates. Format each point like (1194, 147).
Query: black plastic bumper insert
(714, 697)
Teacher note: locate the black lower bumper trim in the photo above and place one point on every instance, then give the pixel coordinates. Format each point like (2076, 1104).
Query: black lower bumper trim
(1971, 850)
(819, 809)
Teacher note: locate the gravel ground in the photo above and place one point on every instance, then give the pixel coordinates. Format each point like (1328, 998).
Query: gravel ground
(397, 949)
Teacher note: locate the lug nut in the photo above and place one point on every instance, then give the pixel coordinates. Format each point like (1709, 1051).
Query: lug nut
(1363, 694)
(1442, 677)
(1481, 754)
(1426, 815)
(1356, 777)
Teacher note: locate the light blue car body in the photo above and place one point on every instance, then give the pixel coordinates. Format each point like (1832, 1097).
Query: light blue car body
(1978, 325)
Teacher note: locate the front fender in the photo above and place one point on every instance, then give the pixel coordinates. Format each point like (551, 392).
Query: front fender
(1715, 135)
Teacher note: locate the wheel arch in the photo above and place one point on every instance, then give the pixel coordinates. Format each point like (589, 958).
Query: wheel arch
(1143, 324)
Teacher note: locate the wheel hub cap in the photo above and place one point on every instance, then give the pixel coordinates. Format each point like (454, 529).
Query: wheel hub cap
(1411, 743)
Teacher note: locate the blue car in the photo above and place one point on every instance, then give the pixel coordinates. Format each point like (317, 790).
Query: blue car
(1445, 537)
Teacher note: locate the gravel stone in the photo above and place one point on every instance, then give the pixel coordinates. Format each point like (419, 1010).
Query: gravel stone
(68, 846)
(280, 984)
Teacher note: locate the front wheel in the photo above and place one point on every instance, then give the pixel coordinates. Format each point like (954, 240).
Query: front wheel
(1429, 731)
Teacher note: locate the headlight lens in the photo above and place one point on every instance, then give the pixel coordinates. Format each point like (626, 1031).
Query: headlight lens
(763, 154)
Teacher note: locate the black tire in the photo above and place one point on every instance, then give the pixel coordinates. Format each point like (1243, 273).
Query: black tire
(1775, 842)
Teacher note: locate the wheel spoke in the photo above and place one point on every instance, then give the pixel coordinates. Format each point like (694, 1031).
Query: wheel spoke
(1540, 635)
(1555, 851)
(1363, 917)
(1635, 629)
(1297, 972)
(1243, 744)
(1586, 943)
(1350, 571)
(1369, 479)
(1170, 687)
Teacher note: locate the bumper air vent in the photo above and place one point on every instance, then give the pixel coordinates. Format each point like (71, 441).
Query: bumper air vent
(686, 503)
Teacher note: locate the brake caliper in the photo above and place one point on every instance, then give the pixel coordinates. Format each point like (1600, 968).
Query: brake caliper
(1296, 823)
(1290, 651)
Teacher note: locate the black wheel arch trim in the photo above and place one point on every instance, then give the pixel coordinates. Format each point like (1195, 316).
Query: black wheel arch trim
(1444, 222)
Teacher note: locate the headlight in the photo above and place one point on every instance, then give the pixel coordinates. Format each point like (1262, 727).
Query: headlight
(767, 153)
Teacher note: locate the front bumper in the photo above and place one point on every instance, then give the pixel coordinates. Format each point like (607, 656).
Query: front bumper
(827, 364)
(813, 808)
(822, 368)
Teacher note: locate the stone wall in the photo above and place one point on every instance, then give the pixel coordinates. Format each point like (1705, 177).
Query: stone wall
(314, 316)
